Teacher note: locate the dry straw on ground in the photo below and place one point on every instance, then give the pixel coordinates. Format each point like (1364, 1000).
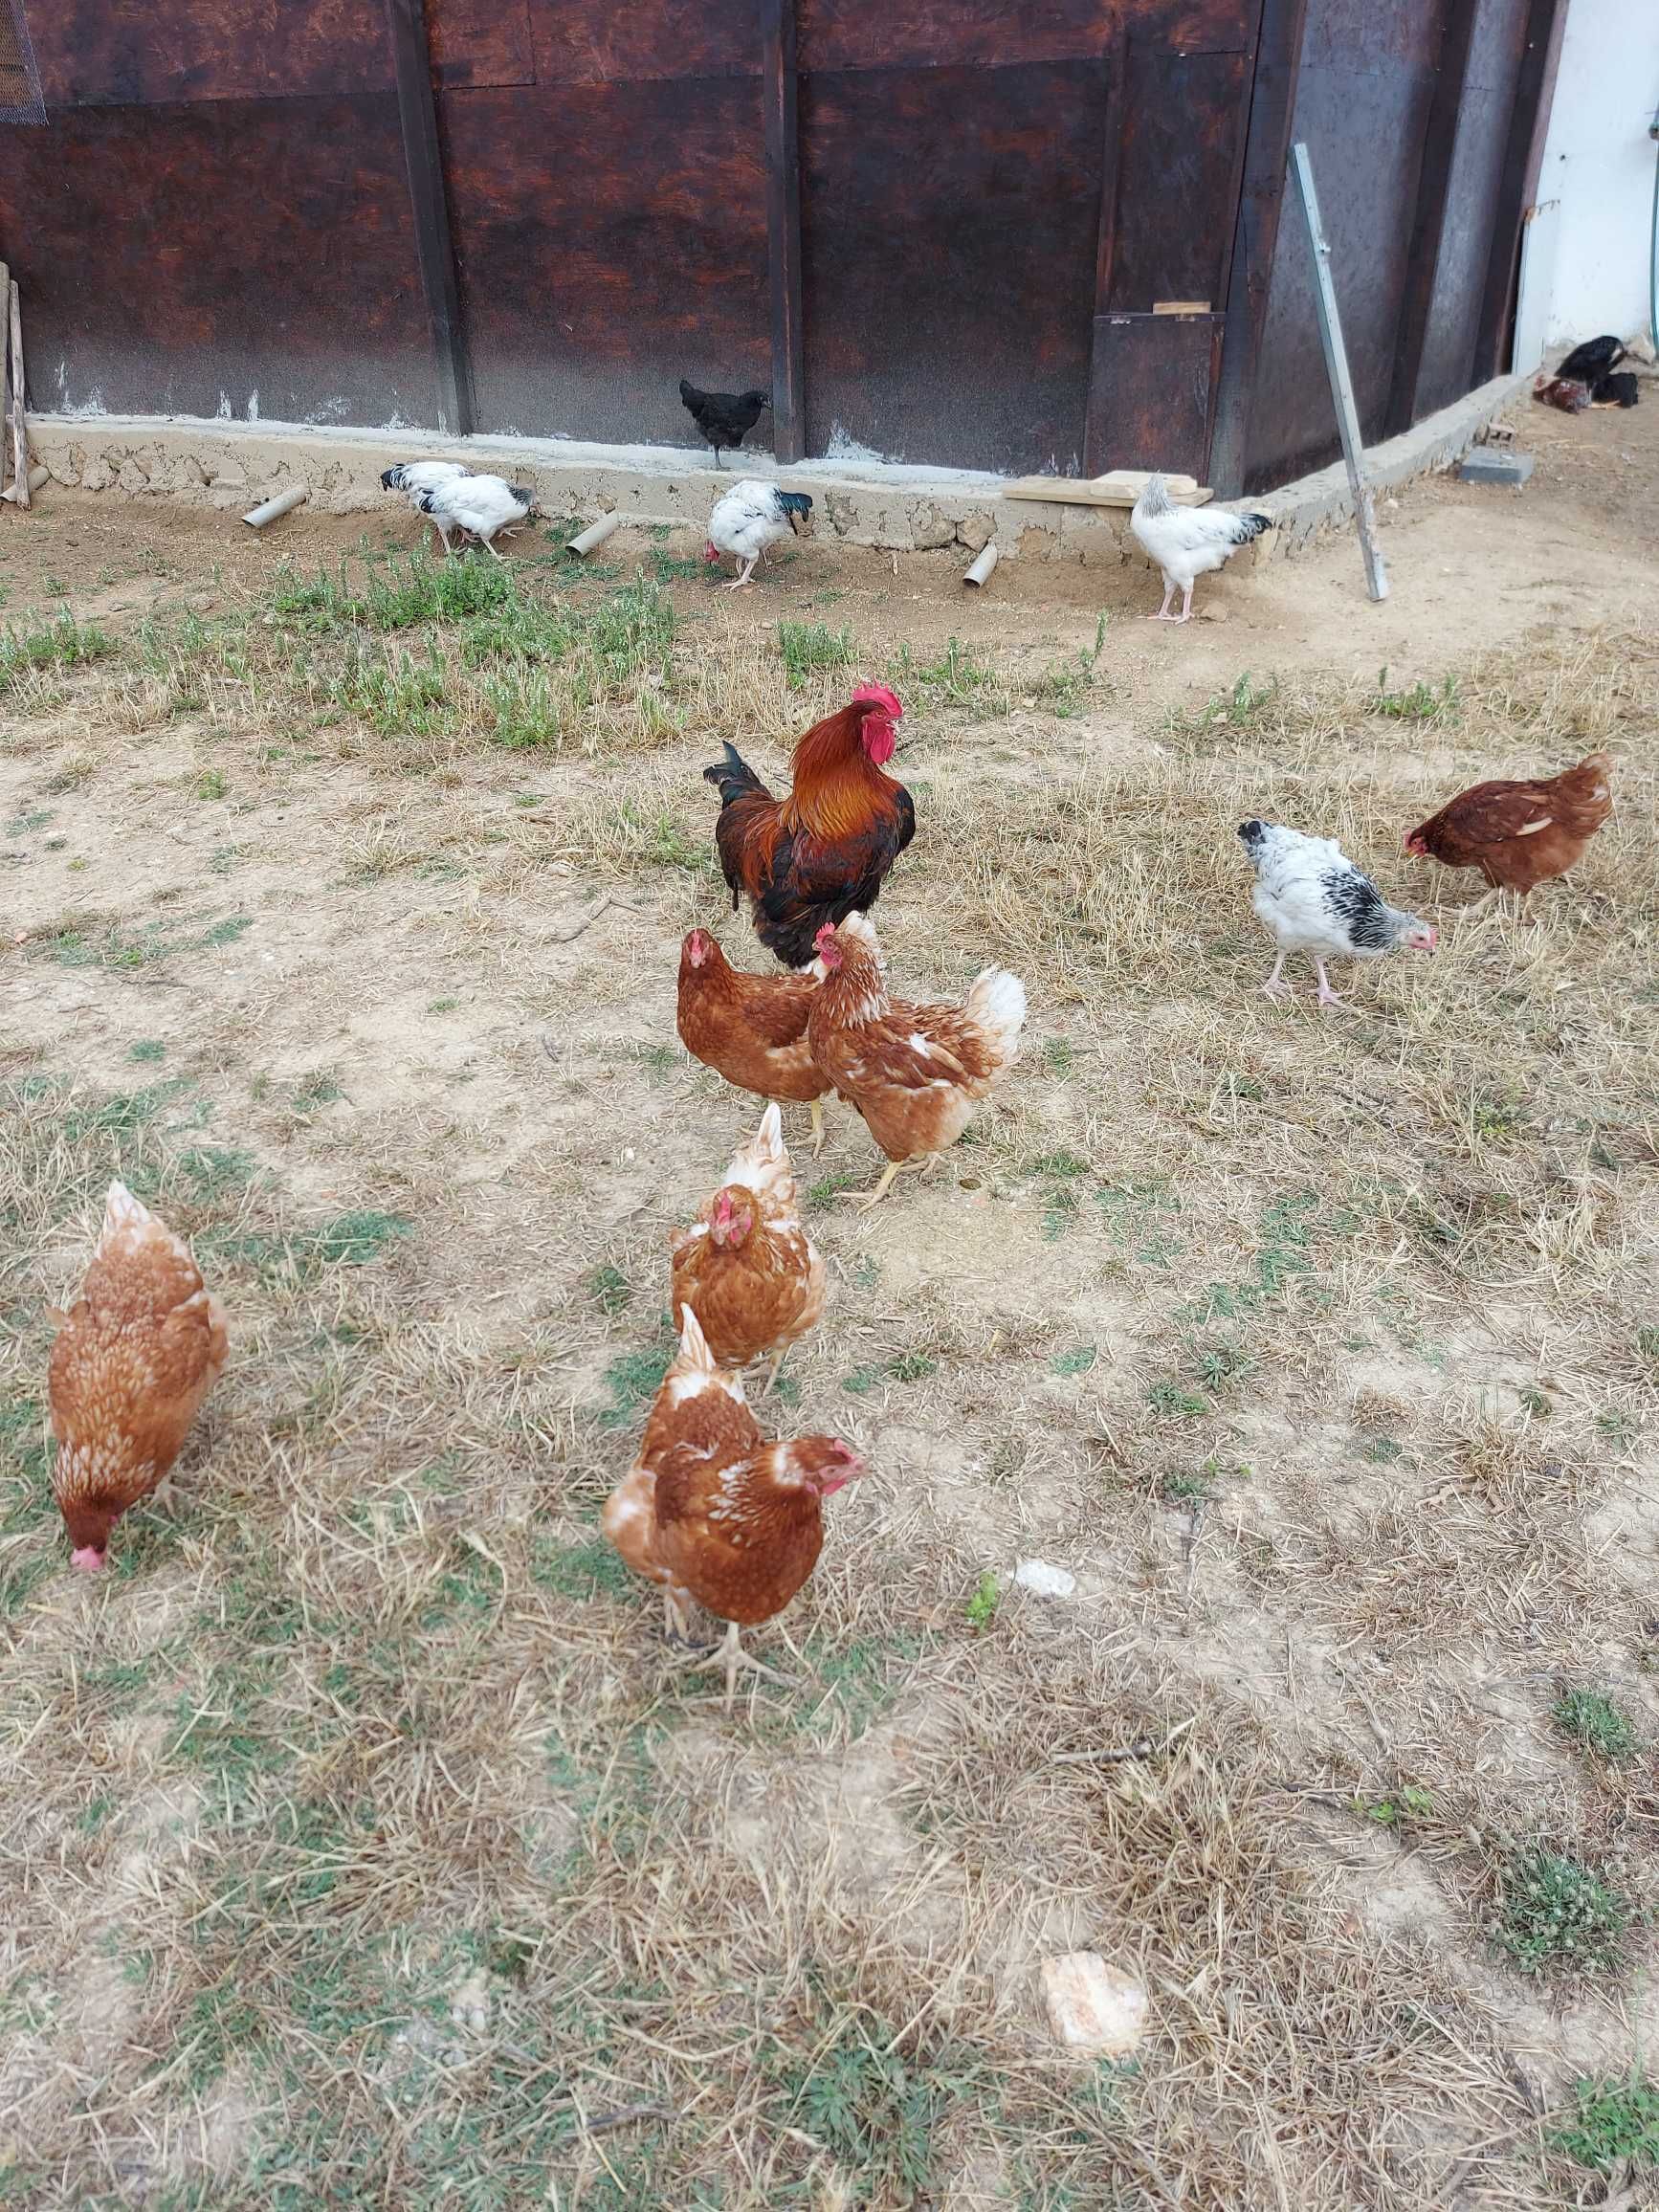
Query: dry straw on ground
(365, 1847)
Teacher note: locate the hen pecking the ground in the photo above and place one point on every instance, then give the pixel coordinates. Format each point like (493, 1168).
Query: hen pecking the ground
(1520, 834)
(825, 850)
(713, 1512)
(915, 1072)
(747, 1268)
(751, 1029)
(137, 1354)
(1310, 898)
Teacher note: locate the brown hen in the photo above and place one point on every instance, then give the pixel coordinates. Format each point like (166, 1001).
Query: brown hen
(711, 1512)
(748, 1270)
(915, 1072)
(1520, 834)
(751, 1029)
(137, 1354)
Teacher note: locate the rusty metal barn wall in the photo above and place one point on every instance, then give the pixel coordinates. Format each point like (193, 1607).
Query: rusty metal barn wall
(994, 196)
(216, 217)
(1363, 104)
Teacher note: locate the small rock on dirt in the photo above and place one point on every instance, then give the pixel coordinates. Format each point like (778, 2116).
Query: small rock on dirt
(1091, 2007)
(1044, 1580)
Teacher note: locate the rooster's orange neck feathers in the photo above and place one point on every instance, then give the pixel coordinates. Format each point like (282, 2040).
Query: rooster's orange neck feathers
(836, 780)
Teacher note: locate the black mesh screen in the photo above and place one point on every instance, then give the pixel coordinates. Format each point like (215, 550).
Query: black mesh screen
(20, 99)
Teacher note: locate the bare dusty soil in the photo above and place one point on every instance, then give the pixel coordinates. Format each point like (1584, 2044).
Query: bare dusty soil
(366, 1845)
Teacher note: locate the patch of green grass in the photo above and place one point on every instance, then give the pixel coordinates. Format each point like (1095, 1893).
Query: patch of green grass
(1186, 1486)
(1407, 1803)
(635, 1380)
(1419, 703)
(955, 679)
(1592, 1719)
(24, 824)
(148, 1050)
(1380, 1450)
(211, 784)
(1647, 1347)
(401, 592)
(442, 1006)
(806, 646)
(1239, 709)
(1058, 1058)
(1218, 1362)
(980, 1609)
(1616, 2125)
(667, 567)
(1170, 1398)
(61, 643)
(609, 1289)
(1556, 1912)
(579, 1571)
(828, 1187)
(912, 1367)
(353, 1239)
(322, 1088)
(882, 2118)
(1076, 1362)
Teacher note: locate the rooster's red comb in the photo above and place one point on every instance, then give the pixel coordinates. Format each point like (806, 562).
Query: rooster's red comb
(877, 694)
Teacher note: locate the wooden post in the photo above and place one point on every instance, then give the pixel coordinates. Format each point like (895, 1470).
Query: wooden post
(1105, 250)
(1336, 367)
(1518, 180)
(1255, 238)
(780, 101)
(5, 373)
(423, 158)
(19, 428)
(1428, 224)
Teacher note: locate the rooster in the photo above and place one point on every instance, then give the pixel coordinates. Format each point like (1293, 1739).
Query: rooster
(137, 1354)
(725, 418)
(1186, 542)
(485, 506)
(751, 1029)
(1310, 898)
(914, 1073)
(1520, 834)
(748, 1270)
(711, 1512)
(825, 850)
(748, 518)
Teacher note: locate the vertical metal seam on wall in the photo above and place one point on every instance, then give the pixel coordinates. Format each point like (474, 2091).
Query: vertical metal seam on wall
(1429, 220)
(780, 98)
(422, 157)
(1117, 62)
(1270, 114)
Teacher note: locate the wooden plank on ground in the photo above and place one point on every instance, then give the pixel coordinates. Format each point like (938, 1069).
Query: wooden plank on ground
(1119, 488)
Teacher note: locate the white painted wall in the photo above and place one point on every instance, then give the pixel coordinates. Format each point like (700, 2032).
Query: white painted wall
(1584, 266)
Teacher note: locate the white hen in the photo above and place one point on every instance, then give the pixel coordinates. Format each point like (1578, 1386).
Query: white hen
(748, 518)
(1310, 898)
(414, 478)
(1186, 542)
(483, 505)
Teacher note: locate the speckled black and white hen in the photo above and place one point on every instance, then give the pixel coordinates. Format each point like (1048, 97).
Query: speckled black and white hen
(1310, 898)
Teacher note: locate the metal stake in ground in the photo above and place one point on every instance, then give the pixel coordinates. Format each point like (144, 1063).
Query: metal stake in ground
(19, 430)
(1336, 369)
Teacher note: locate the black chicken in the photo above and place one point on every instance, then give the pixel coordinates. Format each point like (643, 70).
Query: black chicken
(1589, 363)
(725, 418)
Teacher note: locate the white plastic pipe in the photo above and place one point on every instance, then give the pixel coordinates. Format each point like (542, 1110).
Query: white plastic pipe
(37, 477)
(594, 535)
(980, 572)
(284, 503)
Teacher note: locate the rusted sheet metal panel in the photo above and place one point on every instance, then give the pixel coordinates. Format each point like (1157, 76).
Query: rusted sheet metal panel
(112, 53)
(179, 259)
(1473, 200)
(590, 286)
(1152, 390)
(480, 42)
(949, 257)
(1184, 125)
(1364, 120)
(989, 33)
(622, 41)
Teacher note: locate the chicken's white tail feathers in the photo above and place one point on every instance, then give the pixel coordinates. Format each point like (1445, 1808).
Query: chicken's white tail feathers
(693, 1345)
(769, 1136)
(997, 1001)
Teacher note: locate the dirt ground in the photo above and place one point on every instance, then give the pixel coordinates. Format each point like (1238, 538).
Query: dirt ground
(367, 1844)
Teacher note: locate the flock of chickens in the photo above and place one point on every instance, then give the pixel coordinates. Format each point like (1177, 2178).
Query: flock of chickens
(709, 1510)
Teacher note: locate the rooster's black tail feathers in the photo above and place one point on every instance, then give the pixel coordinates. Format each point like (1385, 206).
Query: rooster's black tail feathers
(733, 778)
